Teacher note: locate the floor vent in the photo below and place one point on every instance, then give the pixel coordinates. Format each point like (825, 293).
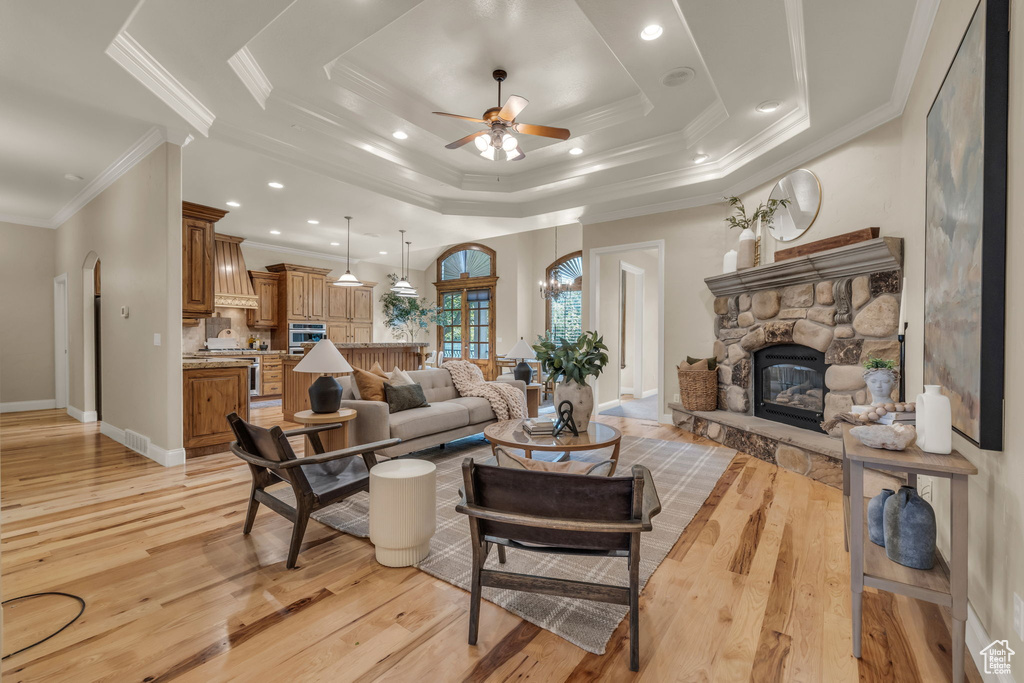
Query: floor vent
(137, 442)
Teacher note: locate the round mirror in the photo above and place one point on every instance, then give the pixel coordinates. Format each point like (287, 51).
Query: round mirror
(802, 189)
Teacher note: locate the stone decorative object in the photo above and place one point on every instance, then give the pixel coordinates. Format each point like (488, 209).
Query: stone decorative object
(844, 352)
(909, 529)
(861, 291)
(876, 517)
(842, 292)
(880, 318)
(823, 293)
(934, 421)
(581, 396)
(812, 335)
(798, 295)
(765, 305)
(894, 437)
(880, 382)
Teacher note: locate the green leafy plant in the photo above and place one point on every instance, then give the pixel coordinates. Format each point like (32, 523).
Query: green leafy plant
(407, 316)
(764, 211)
(879, 364)
(575, 361)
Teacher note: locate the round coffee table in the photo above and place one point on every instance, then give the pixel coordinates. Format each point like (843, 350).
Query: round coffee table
(510, 433)
(332, 439)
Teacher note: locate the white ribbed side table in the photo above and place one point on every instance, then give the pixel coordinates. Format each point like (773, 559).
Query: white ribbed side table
(403, 510)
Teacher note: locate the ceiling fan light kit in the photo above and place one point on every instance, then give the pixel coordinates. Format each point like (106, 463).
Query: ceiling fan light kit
(497, 143)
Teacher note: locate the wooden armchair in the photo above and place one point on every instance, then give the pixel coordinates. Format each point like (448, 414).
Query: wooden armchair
(317, 481)
(558, 513)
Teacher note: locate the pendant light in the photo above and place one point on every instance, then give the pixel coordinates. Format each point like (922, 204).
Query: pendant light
(555, 288)
(410, 292)
(402, 284)
(348, 279)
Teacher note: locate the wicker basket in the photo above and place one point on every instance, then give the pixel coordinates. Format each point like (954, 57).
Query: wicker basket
(698, 389)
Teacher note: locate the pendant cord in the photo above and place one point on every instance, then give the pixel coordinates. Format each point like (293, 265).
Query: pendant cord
(348, 245)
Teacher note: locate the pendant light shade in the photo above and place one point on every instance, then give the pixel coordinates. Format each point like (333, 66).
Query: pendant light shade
(402, 284)
(348, 279)
(409, 291)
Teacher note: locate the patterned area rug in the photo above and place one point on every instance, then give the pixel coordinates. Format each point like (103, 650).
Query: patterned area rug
(684, 474)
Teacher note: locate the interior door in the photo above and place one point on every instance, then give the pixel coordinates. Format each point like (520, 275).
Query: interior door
(464, 327)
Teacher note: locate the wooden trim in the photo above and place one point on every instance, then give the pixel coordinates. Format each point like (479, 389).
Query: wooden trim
(468, 246)
(201, 213)
(819, 246)
(466, 283)
(284, 267)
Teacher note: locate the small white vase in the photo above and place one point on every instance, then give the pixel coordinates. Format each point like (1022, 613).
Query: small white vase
(745, 250)
(581, 396)
(934, 421)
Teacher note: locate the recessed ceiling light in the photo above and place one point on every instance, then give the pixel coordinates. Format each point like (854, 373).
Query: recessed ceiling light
(576, 151)
(652, 32)
(275, 185)
(678, 76)
(768, 106)
(700, 158)
(234, 204)
(335, 244)
(275, 232)
(72, 176)
(312, 221)
(400, 135)
(383, 253)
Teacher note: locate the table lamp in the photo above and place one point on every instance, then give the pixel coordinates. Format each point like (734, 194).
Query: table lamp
(324, 359)
(522, 351)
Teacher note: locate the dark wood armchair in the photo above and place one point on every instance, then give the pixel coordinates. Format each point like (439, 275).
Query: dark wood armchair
(558, 513)
(317, 481)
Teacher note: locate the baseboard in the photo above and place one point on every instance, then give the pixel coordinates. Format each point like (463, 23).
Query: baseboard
(25, 406)
(626, 390)
(82, 415)
(649, 393)
(608, 404)
(161, 456)
(977, 638)
(666, 420)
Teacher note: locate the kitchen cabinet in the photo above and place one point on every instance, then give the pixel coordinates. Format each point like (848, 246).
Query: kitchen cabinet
(210, 395)
(271, 376)
(301, 297)
(197, 261)
(350, 314)
(264, 316)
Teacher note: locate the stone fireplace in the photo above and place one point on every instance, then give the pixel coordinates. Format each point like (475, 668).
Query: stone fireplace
(791, 338)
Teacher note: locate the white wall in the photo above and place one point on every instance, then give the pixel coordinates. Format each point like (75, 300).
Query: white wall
(26, 308)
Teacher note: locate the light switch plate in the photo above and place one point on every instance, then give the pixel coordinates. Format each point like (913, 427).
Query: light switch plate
(1018, 616)
(156, 339)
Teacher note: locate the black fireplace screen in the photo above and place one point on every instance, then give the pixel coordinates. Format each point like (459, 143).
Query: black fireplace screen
(789, 385)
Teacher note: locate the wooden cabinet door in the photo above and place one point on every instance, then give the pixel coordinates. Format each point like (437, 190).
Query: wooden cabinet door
(296, 285)
(315, 296)
(210, 395)
(339, 333)
(338, 304)
(362, 305)
(264, 316)
(362, 333)
(197, 268)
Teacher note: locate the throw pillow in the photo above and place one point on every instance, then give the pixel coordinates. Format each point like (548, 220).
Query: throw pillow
(712, 362)
(400, 377)
(404, 397)
(599, 469)
(371, 386)
(379, 371)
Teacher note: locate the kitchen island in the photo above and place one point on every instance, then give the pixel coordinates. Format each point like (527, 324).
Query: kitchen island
(405, 355)
(212, 388)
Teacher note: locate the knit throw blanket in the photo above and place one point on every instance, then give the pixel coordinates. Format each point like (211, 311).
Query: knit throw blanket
(507, 401)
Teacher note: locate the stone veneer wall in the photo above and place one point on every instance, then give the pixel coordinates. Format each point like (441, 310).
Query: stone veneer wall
(849, 319)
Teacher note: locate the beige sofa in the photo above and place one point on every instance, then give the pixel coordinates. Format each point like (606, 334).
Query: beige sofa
(448, 417)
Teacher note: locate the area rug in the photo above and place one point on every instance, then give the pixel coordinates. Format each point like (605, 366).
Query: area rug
(684, 474)
(640, 409)
(272, 403)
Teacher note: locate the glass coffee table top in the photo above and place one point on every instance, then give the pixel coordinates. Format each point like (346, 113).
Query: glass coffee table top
(511, 433)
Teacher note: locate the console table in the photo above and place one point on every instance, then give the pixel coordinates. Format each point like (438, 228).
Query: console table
(870, 566)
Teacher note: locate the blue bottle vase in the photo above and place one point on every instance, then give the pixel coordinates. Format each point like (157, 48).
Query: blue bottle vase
(876, 517)
(910, 529)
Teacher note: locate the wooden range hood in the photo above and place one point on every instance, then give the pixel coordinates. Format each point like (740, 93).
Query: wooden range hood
(232, 287)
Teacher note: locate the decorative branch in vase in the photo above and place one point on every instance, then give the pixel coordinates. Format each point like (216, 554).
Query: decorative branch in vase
(407, 317)
(749, 250)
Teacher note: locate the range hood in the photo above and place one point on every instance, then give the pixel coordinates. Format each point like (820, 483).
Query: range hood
(232, 287)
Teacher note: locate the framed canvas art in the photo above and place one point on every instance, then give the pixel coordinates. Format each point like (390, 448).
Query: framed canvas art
(965, 228)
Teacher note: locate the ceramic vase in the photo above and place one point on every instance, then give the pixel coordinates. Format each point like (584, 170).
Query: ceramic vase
(581, 396)
(910, 529)
(934, 421)
(880, 382)
(876, 517)
(745, 250)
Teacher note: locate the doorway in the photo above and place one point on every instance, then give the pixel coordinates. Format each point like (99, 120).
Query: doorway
(91, 376)
(97, 337)
(60, 341)
(631, 332)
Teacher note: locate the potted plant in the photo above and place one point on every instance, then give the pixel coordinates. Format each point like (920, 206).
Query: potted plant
(568, 365)
(406, 317)
(880, 375)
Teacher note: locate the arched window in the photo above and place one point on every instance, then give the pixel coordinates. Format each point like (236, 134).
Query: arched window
(564, 315)
(466, 280)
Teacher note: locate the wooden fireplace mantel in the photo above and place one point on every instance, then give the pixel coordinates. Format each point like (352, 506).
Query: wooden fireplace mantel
(872, 256)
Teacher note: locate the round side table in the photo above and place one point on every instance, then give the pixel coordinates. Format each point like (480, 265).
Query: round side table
(332, 439)
(403, 510)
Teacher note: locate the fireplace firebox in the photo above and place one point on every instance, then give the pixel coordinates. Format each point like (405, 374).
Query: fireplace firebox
(789, 385)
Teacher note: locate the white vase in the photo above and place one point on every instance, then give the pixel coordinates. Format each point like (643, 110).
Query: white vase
(934, 421)
(581, 396)
(745, 250)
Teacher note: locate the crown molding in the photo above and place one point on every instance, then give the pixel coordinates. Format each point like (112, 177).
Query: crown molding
(293, 251)
(248, 70)
(25, 220)
(913, 50)
(134, 59)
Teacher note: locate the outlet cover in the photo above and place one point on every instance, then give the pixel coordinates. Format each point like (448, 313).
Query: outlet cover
(1018, 616)
(675, 398)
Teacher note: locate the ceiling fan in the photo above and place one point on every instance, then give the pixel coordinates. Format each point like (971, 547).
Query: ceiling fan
(497, 142)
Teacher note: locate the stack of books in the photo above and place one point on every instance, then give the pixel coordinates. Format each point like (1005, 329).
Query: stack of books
(539, 426)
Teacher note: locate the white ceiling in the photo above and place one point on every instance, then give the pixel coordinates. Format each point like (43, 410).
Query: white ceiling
(308, 92)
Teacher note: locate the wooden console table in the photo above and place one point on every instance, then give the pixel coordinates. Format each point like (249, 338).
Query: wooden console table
(870, 566)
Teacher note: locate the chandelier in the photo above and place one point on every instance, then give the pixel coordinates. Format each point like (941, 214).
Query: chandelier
(555, 287)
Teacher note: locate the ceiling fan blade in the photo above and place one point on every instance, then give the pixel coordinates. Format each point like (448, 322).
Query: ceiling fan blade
(461, 141)
(459, 116)
(543, 131)
(513, 105)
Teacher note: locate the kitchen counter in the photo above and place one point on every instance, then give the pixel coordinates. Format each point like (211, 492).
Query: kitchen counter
(193, 363)
(234, 352)
(373, 345)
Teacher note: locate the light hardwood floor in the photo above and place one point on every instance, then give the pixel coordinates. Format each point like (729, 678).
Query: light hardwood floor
(757, 587)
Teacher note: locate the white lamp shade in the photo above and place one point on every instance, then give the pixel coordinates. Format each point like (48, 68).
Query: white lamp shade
(348, 280)
(521, 350)
(401, 285)
(324, 358)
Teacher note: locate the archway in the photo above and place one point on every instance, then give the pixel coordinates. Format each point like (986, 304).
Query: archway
(92, 384)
